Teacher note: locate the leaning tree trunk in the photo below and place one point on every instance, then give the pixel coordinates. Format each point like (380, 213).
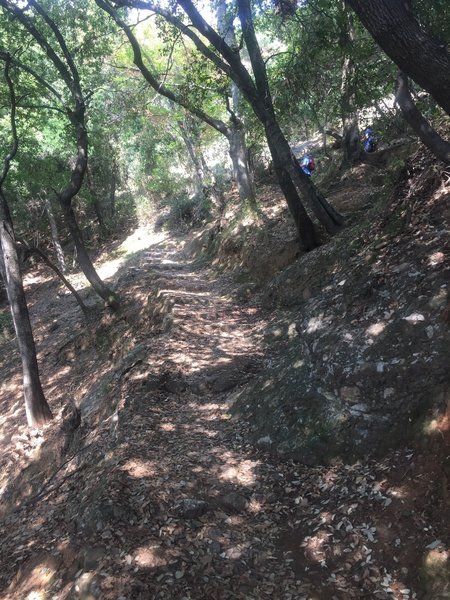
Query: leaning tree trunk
(317, 203)
(33, 250)
(418, 54)
(84, 260)
(282, 155)
(37, 410)
(429, 136)
(304, 225)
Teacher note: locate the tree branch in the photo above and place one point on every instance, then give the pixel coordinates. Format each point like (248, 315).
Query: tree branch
(151, 79)
(429, 136)
(15, 141)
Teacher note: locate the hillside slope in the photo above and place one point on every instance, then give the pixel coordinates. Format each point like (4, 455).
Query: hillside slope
(160, 494)
(360, 333)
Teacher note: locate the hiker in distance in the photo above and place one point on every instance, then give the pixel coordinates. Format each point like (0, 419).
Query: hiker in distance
(369, 140)
(307, 164)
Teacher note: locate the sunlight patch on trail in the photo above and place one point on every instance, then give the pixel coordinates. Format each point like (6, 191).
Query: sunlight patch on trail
(141, 239)
(109, 263)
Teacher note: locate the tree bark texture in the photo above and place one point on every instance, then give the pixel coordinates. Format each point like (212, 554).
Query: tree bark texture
(239, 159)
(84, 260)
(91, 185)
(351, 145)
(285, 163)
(198, 167)
(429, 136)
(55, 237)
(238, 148)
(418, 54)
(37, 410)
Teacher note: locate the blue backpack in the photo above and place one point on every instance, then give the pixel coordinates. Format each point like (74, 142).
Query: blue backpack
(369, 143)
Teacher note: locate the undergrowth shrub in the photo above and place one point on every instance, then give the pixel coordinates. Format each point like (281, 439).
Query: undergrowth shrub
(182, 212)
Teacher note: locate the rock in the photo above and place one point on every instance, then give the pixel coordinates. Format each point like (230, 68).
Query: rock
(191, 508)
(234, 502)
(264, 442)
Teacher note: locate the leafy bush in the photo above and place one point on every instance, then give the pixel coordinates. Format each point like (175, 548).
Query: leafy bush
(184, 212)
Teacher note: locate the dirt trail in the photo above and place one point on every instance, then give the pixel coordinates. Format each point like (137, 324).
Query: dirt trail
(161, 495)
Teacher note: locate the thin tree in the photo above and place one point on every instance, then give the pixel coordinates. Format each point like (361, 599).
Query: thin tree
(415, 119)
(36, 407)
(67, 70)
(351, 145)
(29, 250)
(238, 147)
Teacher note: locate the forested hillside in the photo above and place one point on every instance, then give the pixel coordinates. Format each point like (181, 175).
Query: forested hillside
(224, 301)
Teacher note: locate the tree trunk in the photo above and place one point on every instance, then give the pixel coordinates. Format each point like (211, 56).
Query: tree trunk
(49, 263)
(65, 198)
(112, 190)
(37, 410)
(238, 149)
(305, 227)
(205, 180)
(351, 145)
(198, 168)
(84, 260)
(55, 237)
(239, 158)
(279, 147)
(215, 194)
(429, 136)
(93, 191)
(283, 158)
(418, 54)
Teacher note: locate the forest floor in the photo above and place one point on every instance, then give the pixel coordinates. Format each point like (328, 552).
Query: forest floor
(159, 495)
